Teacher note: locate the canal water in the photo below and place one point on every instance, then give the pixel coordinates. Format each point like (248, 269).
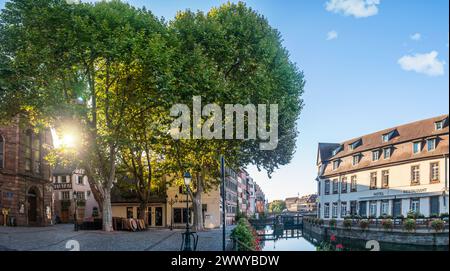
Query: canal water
(298, 240)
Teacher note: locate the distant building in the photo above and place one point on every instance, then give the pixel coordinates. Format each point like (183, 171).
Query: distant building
(260, 200)
(391, 172)
(70, 184)
(304, 204)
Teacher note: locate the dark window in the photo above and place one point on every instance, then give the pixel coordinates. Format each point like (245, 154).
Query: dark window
(37, 154)
(335, 186)
(385, 178)
(353, 185)
(180, 215)
(373, 180)
(2, 151)
(397, 208)
(344, 185)
(363, 208)
(353, 210)
(129, 212)
(434, 205)
(327, 187)
(28, 153)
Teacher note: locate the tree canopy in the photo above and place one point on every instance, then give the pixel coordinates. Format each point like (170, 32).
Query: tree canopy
(113, 71)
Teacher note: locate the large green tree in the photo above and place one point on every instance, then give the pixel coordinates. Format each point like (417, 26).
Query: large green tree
(85, 64)
(113, 70)
(231, 55)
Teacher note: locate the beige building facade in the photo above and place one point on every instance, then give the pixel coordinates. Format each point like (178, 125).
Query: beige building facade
(392, 172)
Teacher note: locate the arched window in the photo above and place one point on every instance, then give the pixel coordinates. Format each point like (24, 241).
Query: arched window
(2, 152)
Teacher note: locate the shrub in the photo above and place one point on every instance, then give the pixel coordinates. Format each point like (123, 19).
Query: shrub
(437, 225)
(244, 234)
(332, 223)
(364, 224)
(434, 215)
(347, 223)
(387, 224)
(411, 215)
(409, 225)
(348, 217)
(444, 215)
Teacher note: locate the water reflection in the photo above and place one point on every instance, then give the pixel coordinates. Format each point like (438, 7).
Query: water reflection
(280, 239)
(277, 238)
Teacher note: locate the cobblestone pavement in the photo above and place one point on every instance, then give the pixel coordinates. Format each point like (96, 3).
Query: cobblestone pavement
(56, 238)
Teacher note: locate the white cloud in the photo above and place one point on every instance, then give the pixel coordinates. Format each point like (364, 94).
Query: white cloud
(423, 63)
(332, 35)
(356, 8)
(416, 36)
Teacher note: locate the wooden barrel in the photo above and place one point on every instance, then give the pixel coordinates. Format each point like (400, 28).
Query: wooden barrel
(133, 225)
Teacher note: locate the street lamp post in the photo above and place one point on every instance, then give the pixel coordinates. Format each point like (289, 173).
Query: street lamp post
(171, 203)
(187, 237)
(75, 222)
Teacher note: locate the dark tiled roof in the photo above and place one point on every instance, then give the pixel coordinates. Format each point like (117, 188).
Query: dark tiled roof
(406, 132)
(325, 151)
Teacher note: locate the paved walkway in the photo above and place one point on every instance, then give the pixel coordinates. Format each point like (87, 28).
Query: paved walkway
(58, 238)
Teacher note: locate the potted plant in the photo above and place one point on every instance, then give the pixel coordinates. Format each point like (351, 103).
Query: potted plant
(347, 223)
(364, 224)
(437, 225)
(409, 225)
(387, 224)
(410, 215)
(332, 223)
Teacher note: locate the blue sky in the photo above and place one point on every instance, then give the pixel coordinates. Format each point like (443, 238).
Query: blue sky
(369, 65)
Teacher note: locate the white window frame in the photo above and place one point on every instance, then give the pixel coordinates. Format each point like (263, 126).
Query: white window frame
(335, 164)
(356, 159)
(376, 155)
(434, 144)
(389, 149)
(415, 169)
(385, 138)
(326, 210)
(420, 147)
(434, 170)
(414, 205)
(440, 127)
(334, 210)
(384, 208)
(343, 209)
(373, 208)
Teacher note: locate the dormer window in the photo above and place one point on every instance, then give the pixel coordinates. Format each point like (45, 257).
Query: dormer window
(376, 155)
(388, 136)
(417, 147)
(387, 153)
(335, 164)
(431, 144)
(439, 125)
(355, 144)
(337, 150)
(356, 159)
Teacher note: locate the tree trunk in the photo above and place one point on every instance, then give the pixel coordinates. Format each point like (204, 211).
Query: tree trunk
(143, 213)
(197, 205)
(107, 210)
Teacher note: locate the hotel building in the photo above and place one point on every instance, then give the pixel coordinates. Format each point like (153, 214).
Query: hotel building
(391, 172)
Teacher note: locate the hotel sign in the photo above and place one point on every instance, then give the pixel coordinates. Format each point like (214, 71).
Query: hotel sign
(415, 191)
(61, 186)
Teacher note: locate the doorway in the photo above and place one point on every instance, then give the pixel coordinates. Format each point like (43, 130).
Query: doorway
(32, 199)
(158, 216)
